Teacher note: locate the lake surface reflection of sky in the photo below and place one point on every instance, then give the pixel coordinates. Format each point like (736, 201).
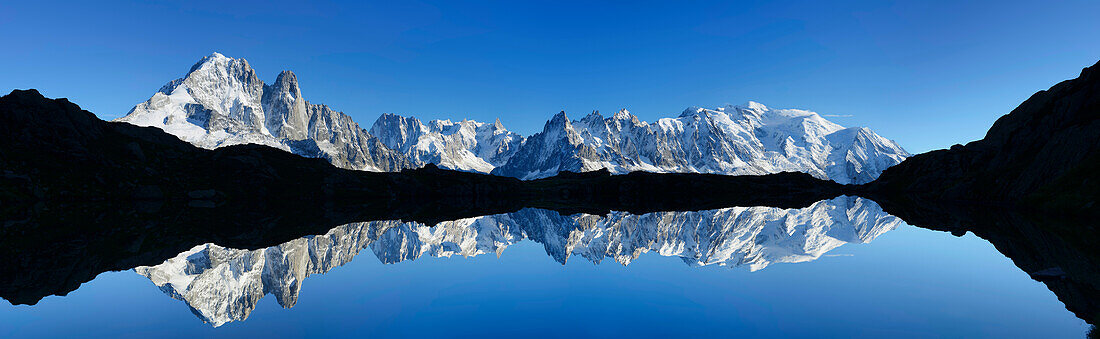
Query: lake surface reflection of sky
(840, 268)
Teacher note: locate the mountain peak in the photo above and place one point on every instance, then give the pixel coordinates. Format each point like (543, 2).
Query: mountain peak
(391, 118)
(286, 76)
(29, 93)
(287, 82)
(213, 57)
(216, 59)
(559, 122)
(623, 114)
(559, 119)
(594, 117)
(690, 111)
(222, 102)
(756, 106)
(395, 131)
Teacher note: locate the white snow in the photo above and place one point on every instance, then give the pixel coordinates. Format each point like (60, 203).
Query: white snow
(220, 103)
(751, 139)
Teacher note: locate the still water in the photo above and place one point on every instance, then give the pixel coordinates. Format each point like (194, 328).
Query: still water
(839, 268)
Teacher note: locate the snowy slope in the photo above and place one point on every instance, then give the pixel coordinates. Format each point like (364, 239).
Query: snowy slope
(738, 140)
(221, 102)
(466, 145)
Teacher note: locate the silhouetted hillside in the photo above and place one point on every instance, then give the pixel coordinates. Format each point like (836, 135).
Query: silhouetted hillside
(1046, 152)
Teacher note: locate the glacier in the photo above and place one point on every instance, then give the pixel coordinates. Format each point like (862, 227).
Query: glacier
(221, 101)
(735, 140)
(466, 145)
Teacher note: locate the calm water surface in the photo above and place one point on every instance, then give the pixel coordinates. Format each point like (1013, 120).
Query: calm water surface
(840, 268)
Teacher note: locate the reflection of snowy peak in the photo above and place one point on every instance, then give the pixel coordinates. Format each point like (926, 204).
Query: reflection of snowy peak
(738, 140)
(223, 285)
(753, 236)
(222, 102)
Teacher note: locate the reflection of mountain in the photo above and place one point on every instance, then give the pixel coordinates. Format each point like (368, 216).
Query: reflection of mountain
(1058, 250)
(222, 284)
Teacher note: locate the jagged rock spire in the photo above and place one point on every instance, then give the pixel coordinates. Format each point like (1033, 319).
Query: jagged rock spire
(222, 102)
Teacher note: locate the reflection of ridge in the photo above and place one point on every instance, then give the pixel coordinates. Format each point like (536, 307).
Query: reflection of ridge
(1057, 250)
(222, 284)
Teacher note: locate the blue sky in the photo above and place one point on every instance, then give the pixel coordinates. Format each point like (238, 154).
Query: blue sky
(923, 73)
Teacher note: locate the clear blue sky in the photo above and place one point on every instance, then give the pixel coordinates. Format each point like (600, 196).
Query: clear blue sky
(925, 74)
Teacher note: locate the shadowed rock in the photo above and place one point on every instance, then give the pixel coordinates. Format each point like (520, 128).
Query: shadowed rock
(1046, 152)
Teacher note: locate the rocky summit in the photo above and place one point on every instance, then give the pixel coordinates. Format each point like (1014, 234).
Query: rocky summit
(221, 101)
(1045, 152)
(735, 140)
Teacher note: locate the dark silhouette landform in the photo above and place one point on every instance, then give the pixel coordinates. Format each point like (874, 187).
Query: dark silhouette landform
(80, 196)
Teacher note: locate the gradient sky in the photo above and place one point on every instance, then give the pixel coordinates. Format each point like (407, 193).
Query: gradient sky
(925, 74)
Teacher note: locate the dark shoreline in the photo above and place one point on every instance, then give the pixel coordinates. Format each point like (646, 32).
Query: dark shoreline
(80, 196)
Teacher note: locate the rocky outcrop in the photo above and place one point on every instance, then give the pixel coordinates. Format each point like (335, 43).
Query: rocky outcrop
(466, 145)
(1045, 152)
(222, 102)
(734, 140)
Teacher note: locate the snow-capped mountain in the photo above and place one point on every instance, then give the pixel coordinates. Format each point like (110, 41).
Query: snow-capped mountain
(737, 140)
(222, 284)
(465, 145)
(221, 102)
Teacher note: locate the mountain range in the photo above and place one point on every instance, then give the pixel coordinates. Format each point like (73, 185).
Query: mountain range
(221, 101)
(1043, 154)
(222, 284)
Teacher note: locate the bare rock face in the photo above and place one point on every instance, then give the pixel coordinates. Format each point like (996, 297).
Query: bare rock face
(221, 102)
(736, 140)
(285, 107)
(465, 145)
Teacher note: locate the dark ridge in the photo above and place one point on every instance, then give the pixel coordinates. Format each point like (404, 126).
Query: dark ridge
(80, 196)
(1057, 250)
(54, 151)
(1044, 154)
(50, 248)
